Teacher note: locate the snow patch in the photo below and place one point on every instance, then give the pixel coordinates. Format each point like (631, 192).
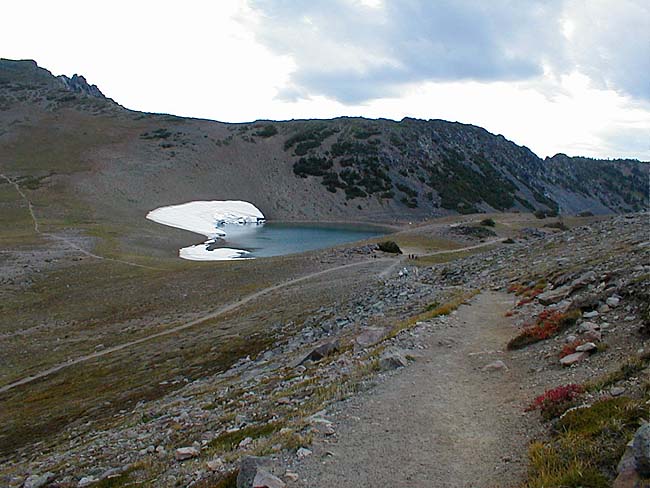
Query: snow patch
(201, 252)
(204, 217)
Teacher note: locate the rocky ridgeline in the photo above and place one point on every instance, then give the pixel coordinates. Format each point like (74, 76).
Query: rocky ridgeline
(263, 413)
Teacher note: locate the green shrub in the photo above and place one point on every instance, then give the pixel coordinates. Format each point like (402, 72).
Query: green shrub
(488, 222)
(227, 441)
(312, 165)
(390, 247)
(268, 130)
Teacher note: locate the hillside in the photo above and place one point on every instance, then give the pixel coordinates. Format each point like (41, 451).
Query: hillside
(123, 365)
(87, 160)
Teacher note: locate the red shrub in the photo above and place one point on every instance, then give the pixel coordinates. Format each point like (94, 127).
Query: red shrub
(549, 323)
(557, 400)
(516, 288)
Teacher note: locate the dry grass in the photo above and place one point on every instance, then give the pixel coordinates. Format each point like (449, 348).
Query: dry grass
(586, 446)
(431, 312)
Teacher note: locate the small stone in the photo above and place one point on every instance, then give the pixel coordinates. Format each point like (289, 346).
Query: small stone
(591, 315)
(587, 327)
(303, 452)
(496, 366)
(183, 453)
(586, 347)
(616, 391)
(245, 442)
(87, 481)
(215, 464)
(593, 336)
(613, 302)
(291, 476)
(570, 338)
(574, 358)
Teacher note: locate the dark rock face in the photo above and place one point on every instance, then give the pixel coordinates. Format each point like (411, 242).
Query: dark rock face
(78, 84)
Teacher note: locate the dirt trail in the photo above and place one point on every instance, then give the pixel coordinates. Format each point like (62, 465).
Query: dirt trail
(442, 422)
(70, 243)
(393, 264)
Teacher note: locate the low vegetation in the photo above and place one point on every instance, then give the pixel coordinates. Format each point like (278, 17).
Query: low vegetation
(488, 222)
(554, 402)
(587, 445)
(389, 246)
(548, 324)
(228, 441)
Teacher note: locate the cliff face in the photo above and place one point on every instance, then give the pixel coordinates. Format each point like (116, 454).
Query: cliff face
(102, 161)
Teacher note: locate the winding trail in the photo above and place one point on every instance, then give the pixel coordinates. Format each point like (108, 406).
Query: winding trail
(444, 422)
(70, 243)
(393, 264)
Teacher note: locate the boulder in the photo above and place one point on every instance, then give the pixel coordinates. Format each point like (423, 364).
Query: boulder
(626, 469)
(392, 360)
(574, 358)
(557, 294)
(554, 296)
(264, 479)
(248, 467)
(641, 447)
(324, 350)
(370, 336)
(583, 280)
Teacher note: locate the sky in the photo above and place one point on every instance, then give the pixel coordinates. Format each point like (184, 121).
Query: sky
(569, 76)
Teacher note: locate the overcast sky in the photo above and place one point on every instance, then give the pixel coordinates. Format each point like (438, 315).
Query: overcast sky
(567, 76)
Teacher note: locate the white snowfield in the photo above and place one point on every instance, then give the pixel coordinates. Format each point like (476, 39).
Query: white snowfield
(203, 217)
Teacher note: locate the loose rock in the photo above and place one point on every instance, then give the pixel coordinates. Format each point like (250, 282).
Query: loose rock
(183, 453)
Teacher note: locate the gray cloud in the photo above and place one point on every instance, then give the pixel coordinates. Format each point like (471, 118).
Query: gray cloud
(353, 53)
(611, 43)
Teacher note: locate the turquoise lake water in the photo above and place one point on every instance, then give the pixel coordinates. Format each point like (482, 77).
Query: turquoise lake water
(278, 239)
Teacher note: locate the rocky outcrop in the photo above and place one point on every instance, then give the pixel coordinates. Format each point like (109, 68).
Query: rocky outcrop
(78, 84)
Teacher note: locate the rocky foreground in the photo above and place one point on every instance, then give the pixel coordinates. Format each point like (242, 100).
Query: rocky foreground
(579, 312)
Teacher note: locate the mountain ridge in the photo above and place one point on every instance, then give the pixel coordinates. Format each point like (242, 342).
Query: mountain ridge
(88, 159)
